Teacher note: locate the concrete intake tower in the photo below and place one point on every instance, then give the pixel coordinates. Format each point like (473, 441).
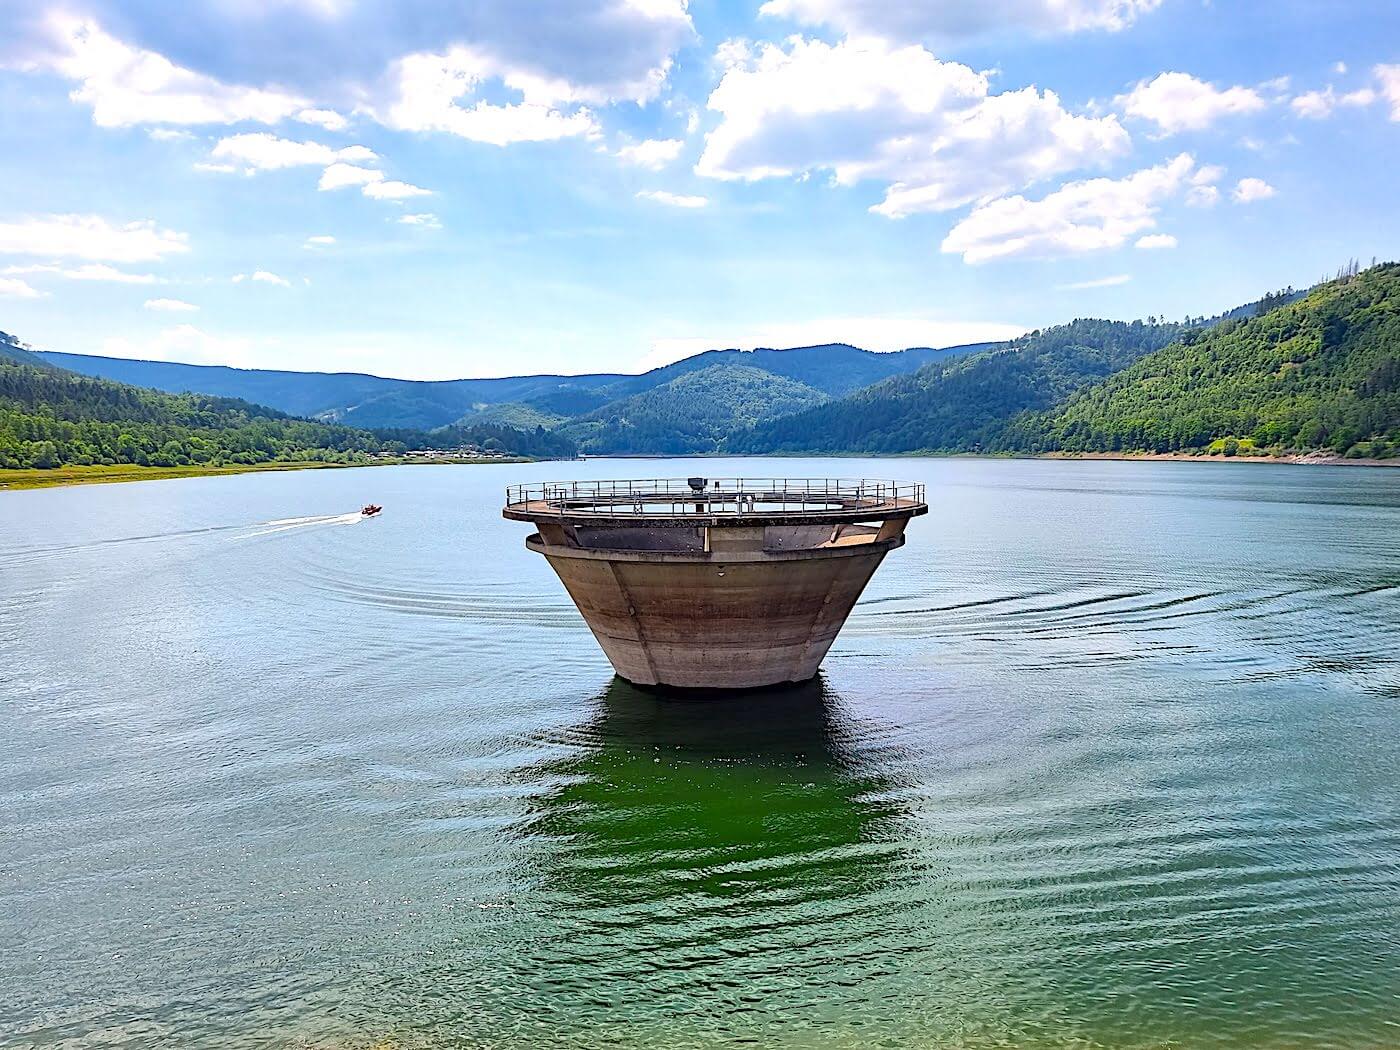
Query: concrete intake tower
(730, 583)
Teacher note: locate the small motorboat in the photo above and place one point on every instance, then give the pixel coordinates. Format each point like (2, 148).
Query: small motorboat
(369, 510)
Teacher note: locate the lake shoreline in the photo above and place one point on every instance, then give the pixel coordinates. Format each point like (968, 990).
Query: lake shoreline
(1304, 459)
(18, 480)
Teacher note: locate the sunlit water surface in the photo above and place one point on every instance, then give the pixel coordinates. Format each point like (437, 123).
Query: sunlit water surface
(1108, 756)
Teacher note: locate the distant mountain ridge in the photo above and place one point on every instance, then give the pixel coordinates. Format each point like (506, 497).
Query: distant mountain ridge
(52, 417)
(373, 401)
(1292, 371)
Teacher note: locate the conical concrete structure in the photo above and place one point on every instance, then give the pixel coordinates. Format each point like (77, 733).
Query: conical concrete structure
(723, 584)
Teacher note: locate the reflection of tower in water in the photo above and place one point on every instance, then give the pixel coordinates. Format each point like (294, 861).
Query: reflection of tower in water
(716, 849)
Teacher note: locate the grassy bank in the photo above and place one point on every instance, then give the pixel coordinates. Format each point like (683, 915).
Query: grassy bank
(13, 480)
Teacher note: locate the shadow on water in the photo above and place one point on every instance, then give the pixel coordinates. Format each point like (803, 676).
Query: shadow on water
(687, 872)
(743, 800)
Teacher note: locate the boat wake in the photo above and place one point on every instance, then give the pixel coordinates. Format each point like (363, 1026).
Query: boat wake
(315, 521)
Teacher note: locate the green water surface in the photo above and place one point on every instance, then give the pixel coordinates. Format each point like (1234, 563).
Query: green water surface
(1107, 757)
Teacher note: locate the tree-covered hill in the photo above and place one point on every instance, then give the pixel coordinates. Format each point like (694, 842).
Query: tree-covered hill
(50, 417)
(963, 403)
(345, 397)
(692, 413)
(12, 351)
(373, 401)
(1319, 372)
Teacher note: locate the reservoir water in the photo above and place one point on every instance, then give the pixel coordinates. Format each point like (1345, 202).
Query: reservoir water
(1107, 756)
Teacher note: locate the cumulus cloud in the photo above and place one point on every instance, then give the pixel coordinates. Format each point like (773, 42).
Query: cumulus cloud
(323, 118)
(1249, 190)
(89, 237)
(653, 153)
(339, 175)
(392, 190)
(126, 85)
(372, 183)
(1178, 102)
(493, 71)
(860, 109)
(1080, 217)
(1389, 77)
(597, 51)
(261, 151)
(940, 19)
(675, 200)
(86, 272)
(1156, 241)
(427, 220)
(170, 306)
(429, 87)
(18, 289)
(1316, 105)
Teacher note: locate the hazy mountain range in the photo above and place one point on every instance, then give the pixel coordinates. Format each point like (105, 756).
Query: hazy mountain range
(1318, 369)
(372, 401)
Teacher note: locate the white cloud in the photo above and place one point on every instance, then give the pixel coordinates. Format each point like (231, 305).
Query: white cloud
(871, 333)
(319, 241)
(1251, 189)
(1079, 217)
(171, 306)
(675, 200)
(86, 272)
(1203, 192)
(17, 289)
(372, 183)
(1389, 77)
(168, 134)
(653, 153)
(264, 152)
(863, 110)
(339, 175)
(1315, 105)
(89, 237)
(323, 118)
(219, 169)
(262, 276)
(945, 20)
(427, 220)
(126, 85)
(391, 190)
(428, 87)
(1179, 102)
(1098, 282)
(1156, 241)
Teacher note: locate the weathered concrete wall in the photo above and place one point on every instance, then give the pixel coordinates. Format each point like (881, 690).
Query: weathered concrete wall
(719, 621)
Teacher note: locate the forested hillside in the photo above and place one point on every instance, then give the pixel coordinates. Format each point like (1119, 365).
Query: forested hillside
(1319, 372)
(50, 417)
(1292, 371)
(363, 400)
(965, 403)
(372, 401)
(692, 413)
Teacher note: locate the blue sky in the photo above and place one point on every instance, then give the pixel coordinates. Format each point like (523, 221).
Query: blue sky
(518, 186)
